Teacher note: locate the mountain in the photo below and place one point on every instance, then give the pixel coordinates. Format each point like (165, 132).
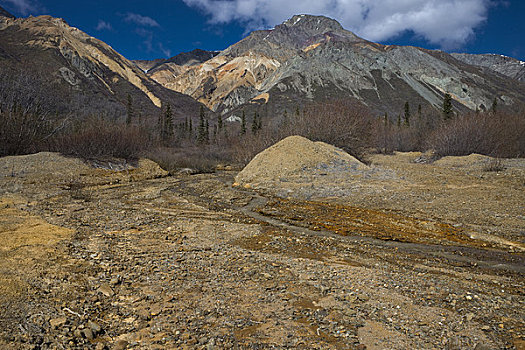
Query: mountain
(163, 71)
(192, 58)
(507, 66)
(146, 65)
(78, 72)
(182, 59)
(313, 57)
(4, 13)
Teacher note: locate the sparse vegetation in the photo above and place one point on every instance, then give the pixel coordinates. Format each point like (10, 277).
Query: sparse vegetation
(448, 113)
(94, 138)
(495, 165)
(28, 125)
(196, 159)
(496, 135)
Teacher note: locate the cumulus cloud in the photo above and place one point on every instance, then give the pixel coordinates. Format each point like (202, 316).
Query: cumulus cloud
(448, 23)
(103, 25)
(140, 20)
(25, 7)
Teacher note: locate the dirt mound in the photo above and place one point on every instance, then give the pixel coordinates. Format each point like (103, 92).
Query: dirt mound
(296, 156)
(47, 167)
(472, 160)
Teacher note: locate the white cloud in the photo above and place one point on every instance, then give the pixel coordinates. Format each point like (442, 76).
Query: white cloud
(23, 6)
(103, 25)
(164, 50)
(140, 20)
(448, 23)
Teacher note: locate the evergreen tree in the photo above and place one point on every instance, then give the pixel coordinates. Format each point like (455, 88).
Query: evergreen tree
(160, 125)
(129, 110)
(219, 122)
(494, 107)
(447, 107)
(243, 123)
(407, 114)
(419, 113)
(207, 133)
(386, 127)
(259, 122)
(255, 124)
(168, 124)
(399, 120)
(201, 131)
(297, 111)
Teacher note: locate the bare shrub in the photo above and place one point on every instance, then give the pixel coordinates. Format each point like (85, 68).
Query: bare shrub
(22, 131)
(244, 148)
(390, 136)
(384, 136)
(497, 135)
(24, 123)
(494, 165)
(198, 159)
(346, 124)
(96, 138)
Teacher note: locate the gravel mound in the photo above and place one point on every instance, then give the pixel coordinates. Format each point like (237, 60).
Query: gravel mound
(301, 168)
(48, 167)
(297, 156)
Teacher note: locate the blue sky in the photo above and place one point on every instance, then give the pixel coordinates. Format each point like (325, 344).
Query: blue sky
(163, 28)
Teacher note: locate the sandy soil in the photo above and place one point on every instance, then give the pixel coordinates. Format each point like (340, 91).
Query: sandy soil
(421, 256)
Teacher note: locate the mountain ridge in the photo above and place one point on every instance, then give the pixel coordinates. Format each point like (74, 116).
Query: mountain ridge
(76, 64)
(501, 64)
(311, 57)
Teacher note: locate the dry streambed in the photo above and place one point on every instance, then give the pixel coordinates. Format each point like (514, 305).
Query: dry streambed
(127, 261)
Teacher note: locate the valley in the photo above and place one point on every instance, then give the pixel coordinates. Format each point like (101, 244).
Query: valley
(127, 260)
(303, 188)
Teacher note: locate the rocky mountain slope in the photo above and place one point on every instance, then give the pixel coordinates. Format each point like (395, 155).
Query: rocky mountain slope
(314, 57)
(182, 59)
(82, 73)
(507, 66)
(165, 71)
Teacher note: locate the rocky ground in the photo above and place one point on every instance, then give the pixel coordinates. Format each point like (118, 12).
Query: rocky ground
(99, 259)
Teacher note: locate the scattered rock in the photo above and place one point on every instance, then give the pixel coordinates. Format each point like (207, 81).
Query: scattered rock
(88, 334)
(100, 346)
(120, 345)
(57, 322)
(106, 290)
(481, 346)
(95, 327)
(186, 171)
